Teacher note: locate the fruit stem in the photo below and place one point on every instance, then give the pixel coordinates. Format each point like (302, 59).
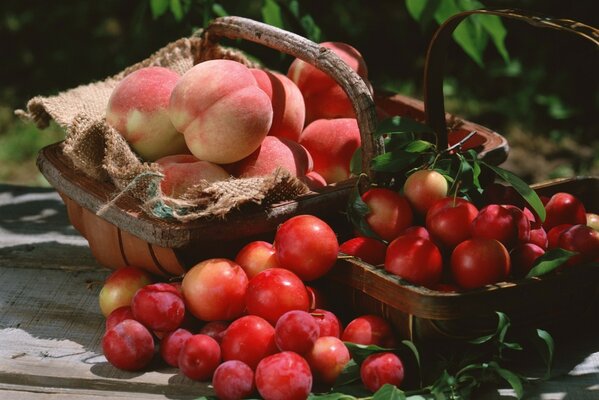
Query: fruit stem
(459, 144)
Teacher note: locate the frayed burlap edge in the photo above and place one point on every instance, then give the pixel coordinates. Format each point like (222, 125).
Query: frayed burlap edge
(99, 151)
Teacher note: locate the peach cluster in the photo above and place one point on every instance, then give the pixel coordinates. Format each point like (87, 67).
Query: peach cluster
(221, 119)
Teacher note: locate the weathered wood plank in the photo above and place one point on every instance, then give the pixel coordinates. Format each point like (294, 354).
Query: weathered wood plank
(50, 323)
(51, 329)
(35, 231)
(20, 392)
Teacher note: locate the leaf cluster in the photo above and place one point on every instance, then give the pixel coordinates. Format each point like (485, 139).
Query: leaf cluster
(407, 151)
(481, 362)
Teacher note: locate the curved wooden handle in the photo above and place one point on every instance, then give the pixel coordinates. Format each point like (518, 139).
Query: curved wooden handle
(435, 58)
(320, 57)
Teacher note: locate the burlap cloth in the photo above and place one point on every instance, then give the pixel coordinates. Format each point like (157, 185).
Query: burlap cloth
(99, 151)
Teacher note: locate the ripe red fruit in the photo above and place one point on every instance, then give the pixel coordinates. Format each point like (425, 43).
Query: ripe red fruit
(538, 236)
(128, 345)
(284, 376)
(159, 307)
(554, 233)
(275, 291)
(171, 345)
(418, 231)
(414, 259)
(118, 315)
(328, 323)
(233, 380)
(199, 357)
(390, 212)
(327, 358)
(423, 188)
(369, 329)
(564, 208)
(523, 257)
(449, 221)
(255, 257)
(367, 249)
(307, 246)
(296, 331)
(214, 290)
(381, 368)
(478, 262)
(582, 239)
(507, 224)
(249, 339)
(120, 287)
(215, 329)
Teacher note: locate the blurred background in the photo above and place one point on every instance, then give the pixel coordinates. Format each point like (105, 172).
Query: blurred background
(537, 87)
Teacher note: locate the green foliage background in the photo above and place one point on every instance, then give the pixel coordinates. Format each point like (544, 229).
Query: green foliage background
(544, 99)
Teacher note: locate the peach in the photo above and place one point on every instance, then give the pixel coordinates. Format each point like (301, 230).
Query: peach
(289, 110)
(324, 98)
(314, 180)
(332, 143)
(138, 110)
(182, 171)
(221, 111)
(274, 152)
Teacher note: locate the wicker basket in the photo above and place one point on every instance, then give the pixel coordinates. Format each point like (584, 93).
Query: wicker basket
(125, 235)
(422, 314)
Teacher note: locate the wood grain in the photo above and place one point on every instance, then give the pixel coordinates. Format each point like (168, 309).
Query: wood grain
(50, 322)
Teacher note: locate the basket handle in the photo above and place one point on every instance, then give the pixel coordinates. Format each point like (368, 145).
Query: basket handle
(435, 58)
(320, 57)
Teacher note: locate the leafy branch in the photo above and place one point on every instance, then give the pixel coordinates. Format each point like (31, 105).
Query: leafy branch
(482, 367)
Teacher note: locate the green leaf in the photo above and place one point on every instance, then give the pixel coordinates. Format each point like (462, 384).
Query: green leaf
(513, 345)
(349, 374)
(177, 9)
(355, 164)
(158, 7)
(219, 10)
(549, 261)
(443, 383)
(503, 325)
(472, 39)
(389, 392)
(399, 125)
(418, 146)
(550, 344)
(357, 211)
(513, 379)
(493, 25)
(410, 345)
(521, 187)
(271, 13)
(312, 30)
(422, 11)
(359, 352)
(394, 161)
(469, 34)
(330, 396)
(482, 339)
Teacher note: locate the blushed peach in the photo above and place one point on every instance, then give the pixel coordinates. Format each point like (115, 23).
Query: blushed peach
(274, 152)
(138, 110)
(182, 171)
(323, 96)
(221, 110)
(289, 110)
(332, 143)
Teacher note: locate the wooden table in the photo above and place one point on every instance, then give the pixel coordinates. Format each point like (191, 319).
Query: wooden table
(51, 325)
